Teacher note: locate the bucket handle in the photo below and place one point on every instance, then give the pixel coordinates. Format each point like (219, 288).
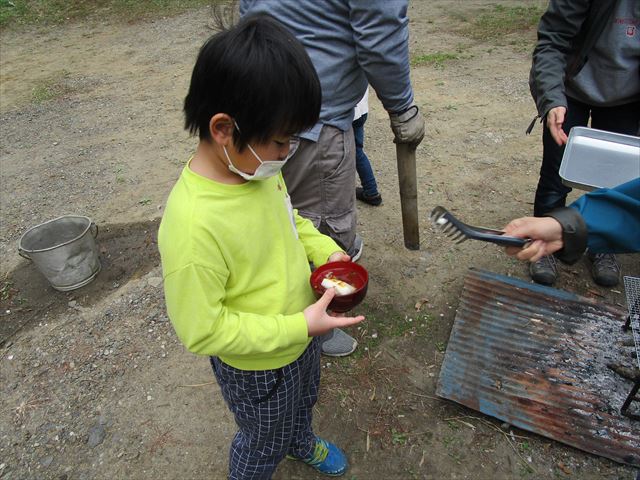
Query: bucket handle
(94, 231)
(22, 253)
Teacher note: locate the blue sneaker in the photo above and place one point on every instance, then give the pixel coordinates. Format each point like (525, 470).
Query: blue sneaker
(327, 459)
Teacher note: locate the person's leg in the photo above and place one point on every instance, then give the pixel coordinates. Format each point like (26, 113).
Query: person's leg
(306, 445)
(264, 405)
(320, 178)
(551, 192)
(621, 119)
(363, 166)
(303, 438)
(625, 119)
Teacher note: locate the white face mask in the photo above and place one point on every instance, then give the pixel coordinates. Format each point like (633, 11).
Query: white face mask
(266, 169)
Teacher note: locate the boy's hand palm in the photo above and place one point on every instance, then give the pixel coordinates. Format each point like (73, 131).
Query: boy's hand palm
(320, 322)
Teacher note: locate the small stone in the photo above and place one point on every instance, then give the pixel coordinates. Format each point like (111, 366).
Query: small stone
(96, 436)
(155, 281)
(505, 426)
(46, 461)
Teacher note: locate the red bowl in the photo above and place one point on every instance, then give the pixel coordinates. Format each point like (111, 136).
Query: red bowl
(349, 272)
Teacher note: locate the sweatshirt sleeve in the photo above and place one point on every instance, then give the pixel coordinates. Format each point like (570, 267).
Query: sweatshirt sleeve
(556, 31)
(194, 296)
(612, 216)
(317, 245)
(381, 32)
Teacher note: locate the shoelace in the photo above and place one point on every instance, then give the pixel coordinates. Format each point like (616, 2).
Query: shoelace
(549, 259)
(606, 260)
(319, 454)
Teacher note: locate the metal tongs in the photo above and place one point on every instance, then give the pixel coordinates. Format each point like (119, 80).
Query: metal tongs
(459, 231)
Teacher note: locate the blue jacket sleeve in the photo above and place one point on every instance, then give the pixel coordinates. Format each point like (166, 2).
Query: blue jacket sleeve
(612, 216)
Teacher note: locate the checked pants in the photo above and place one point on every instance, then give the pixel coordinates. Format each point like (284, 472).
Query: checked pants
(273, 410)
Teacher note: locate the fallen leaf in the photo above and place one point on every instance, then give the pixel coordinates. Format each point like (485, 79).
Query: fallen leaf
(421, 302)
(564, 468)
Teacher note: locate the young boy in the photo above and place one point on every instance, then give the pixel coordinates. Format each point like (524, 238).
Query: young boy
(235, 255)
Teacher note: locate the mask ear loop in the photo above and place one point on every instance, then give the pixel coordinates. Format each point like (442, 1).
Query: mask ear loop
(224, 149)
(255, 154)
(248, 145)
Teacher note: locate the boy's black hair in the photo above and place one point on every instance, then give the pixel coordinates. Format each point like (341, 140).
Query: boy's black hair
(259, 74)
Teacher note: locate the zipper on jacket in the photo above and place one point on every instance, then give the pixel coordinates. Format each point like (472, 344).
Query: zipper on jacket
(532, 124)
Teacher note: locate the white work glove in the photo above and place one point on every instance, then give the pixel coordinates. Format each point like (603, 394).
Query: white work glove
(408, 126)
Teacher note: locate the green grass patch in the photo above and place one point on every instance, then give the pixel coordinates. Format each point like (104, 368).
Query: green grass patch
(385, 323)
(501, 20)
(30, 12)
(398, 438)
(54, 87)
(437, 59)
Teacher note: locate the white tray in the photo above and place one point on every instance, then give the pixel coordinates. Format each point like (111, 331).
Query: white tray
(599, 159)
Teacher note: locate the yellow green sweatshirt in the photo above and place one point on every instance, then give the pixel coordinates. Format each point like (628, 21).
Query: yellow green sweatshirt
(235, 262)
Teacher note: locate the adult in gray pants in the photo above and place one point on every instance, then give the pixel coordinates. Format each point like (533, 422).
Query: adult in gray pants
(351, 43)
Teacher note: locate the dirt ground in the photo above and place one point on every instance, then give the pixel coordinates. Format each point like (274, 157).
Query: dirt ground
(94, 384)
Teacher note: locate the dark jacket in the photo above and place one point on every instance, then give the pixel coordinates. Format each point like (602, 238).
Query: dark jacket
(567, 32)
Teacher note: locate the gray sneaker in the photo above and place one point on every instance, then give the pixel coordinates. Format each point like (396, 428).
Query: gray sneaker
(355, 252)
(544, 271)
(604, 269)
(337, 343)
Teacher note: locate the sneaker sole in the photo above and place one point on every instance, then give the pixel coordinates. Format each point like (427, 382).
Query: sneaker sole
(338, 474)
(341, 354)
(357, 256)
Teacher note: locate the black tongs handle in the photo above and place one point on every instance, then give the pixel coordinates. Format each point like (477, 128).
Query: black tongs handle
(476, 233)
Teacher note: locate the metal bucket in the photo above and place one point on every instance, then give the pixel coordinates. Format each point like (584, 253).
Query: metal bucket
(64, 250)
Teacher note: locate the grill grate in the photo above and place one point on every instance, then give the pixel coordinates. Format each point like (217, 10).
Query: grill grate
(632, 290)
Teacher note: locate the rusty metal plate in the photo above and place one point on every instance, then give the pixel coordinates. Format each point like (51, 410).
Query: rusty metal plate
(541, 359)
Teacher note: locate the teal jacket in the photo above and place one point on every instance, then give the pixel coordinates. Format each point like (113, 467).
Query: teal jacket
(612, 217)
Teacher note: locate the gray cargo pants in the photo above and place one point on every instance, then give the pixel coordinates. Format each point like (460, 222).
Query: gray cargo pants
(321, 178)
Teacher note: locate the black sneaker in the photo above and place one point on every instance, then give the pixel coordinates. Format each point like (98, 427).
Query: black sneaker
(604, 269)
(544, 271)
(374, 201)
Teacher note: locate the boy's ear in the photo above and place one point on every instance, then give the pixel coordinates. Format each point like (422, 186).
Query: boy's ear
(221, 128)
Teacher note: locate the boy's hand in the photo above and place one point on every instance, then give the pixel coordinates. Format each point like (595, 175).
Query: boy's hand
(320, 322)
(338, 257)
